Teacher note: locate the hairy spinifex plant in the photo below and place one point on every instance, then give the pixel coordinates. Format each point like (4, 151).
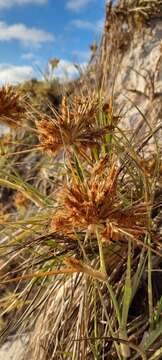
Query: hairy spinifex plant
(85, 238)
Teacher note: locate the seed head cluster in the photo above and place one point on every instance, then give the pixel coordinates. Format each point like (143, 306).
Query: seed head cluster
(96, 202)
(74, 125)
(12, 109)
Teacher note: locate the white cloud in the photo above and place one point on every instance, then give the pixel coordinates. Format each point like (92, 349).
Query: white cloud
(87, 25)
(76, 5)
(100, 25)
(28, 56)
(66, 70)
(83, 24)
(6, 4)
(12, 74)
(81, 55)
(24, 34)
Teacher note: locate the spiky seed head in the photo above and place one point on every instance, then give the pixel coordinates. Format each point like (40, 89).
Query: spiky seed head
(75, 125)
(12, 108)
(96, 202)
(93, 47)
(54, 62)
(49, 136)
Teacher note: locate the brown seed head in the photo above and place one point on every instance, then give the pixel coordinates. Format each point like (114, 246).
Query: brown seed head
(96, 202)
(93, 47)
(54, 62)
(12, 109)
(74, 125)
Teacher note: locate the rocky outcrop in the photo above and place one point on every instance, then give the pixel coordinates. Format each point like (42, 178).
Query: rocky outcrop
(14, 349)
(130, 67)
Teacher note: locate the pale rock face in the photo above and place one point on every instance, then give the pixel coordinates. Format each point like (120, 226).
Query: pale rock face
(14, 350)
(139, 80)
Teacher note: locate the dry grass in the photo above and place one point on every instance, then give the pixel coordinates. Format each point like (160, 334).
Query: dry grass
(96, 221)
(80, 246)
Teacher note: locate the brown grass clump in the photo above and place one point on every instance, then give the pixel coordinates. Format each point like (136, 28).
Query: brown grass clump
(135, 9)
(96, 202)
(12, 109)
(74, 125)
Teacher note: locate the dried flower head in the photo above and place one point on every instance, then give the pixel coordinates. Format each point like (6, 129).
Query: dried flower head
(54, 62)
(93, 48)
(96, 201)
(74, 125)
(12, 109)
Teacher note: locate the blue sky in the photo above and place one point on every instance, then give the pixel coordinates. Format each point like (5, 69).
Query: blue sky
(33, 31)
